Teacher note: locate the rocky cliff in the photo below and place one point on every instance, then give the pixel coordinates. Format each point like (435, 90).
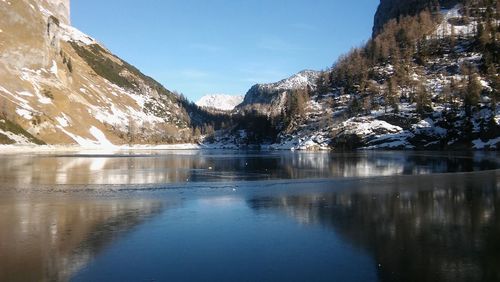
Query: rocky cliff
(394, 9)
(61, 86)
(59, 8)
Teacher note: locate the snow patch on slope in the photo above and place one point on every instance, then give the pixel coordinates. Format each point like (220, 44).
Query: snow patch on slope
(24, 113)
(100, 138)
(70, 33)
(54, 68)
(445, 28)
(18, 139)
(63, 120)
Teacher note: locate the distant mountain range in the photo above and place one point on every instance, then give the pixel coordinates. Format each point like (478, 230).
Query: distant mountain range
(220, 102)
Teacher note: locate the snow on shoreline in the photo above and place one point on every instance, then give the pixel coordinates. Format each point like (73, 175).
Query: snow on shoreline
(6, 149)
(291, 145)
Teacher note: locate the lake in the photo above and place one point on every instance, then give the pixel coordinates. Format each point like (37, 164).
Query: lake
(249, 216)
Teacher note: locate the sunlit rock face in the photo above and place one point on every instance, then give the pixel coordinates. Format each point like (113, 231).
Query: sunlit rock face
(59, 8)
(60, 86)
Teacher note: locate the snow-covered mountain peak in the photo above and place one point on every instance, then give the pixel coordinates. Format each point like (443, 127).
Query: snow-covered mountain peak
(300, 80)
(221, 102)
(269, 98)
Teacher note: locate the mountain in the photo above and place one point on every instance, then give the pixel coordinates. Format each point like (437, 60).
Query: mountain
(59, 9)
(220, 102)
(427, 80)
(394, 9)
(61, 86)
(269, 99)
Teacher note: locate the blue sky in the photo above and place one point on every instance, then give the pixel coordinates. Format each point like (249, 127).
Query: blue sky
(201, 47)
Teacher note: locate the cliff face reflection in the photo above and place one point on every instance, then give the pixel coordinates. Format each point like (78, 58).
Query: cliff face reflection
(20, 171)
(48, 240)
(443, 228)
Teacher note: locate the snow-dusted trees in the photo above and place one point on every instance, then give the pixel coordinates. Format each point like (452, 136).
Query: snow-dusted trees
(402, 38)
(400, 44)
(391, 96)
(423, 100)
(472, 93)
(351, 71)
(323, 84)
(297, 102)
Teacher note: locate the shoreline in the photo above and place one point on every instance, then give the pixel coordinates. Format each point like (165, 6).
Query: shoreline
(19, 148)
(6, 149)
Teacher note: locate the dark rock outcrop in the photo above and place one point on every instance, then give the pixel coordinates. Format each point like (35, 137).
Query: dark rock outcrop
(393, 9)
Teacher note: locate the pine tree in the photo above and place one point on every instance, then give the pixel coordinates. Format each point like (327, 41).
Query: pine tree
(296, 104)
(472, 93)
(447, 96)
(482, 37)
(466, 14)
(366, 105)
(196, 132)
(392, 92)
(497, 12)
(495, 85)
(453, 39)
(322, 84)
(455, 91)
(423, 100)
(356, 106)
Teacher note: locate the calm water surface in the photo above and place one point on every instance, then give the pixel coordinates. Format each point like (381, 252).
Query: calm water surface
(249, 216)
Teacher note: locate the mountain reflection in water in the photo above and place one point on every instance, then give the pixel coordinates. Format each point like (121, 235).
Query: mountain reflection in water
(368, 216)
(136, 168)
(49, 240)
(444, 228)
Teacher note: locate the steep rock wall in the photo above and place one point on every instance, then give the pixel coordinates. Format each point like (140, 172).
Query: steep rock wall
(59, 8)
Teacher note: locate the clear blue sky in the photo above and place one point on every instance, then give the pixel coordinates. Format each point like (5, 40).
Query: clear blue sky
(200, 47)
